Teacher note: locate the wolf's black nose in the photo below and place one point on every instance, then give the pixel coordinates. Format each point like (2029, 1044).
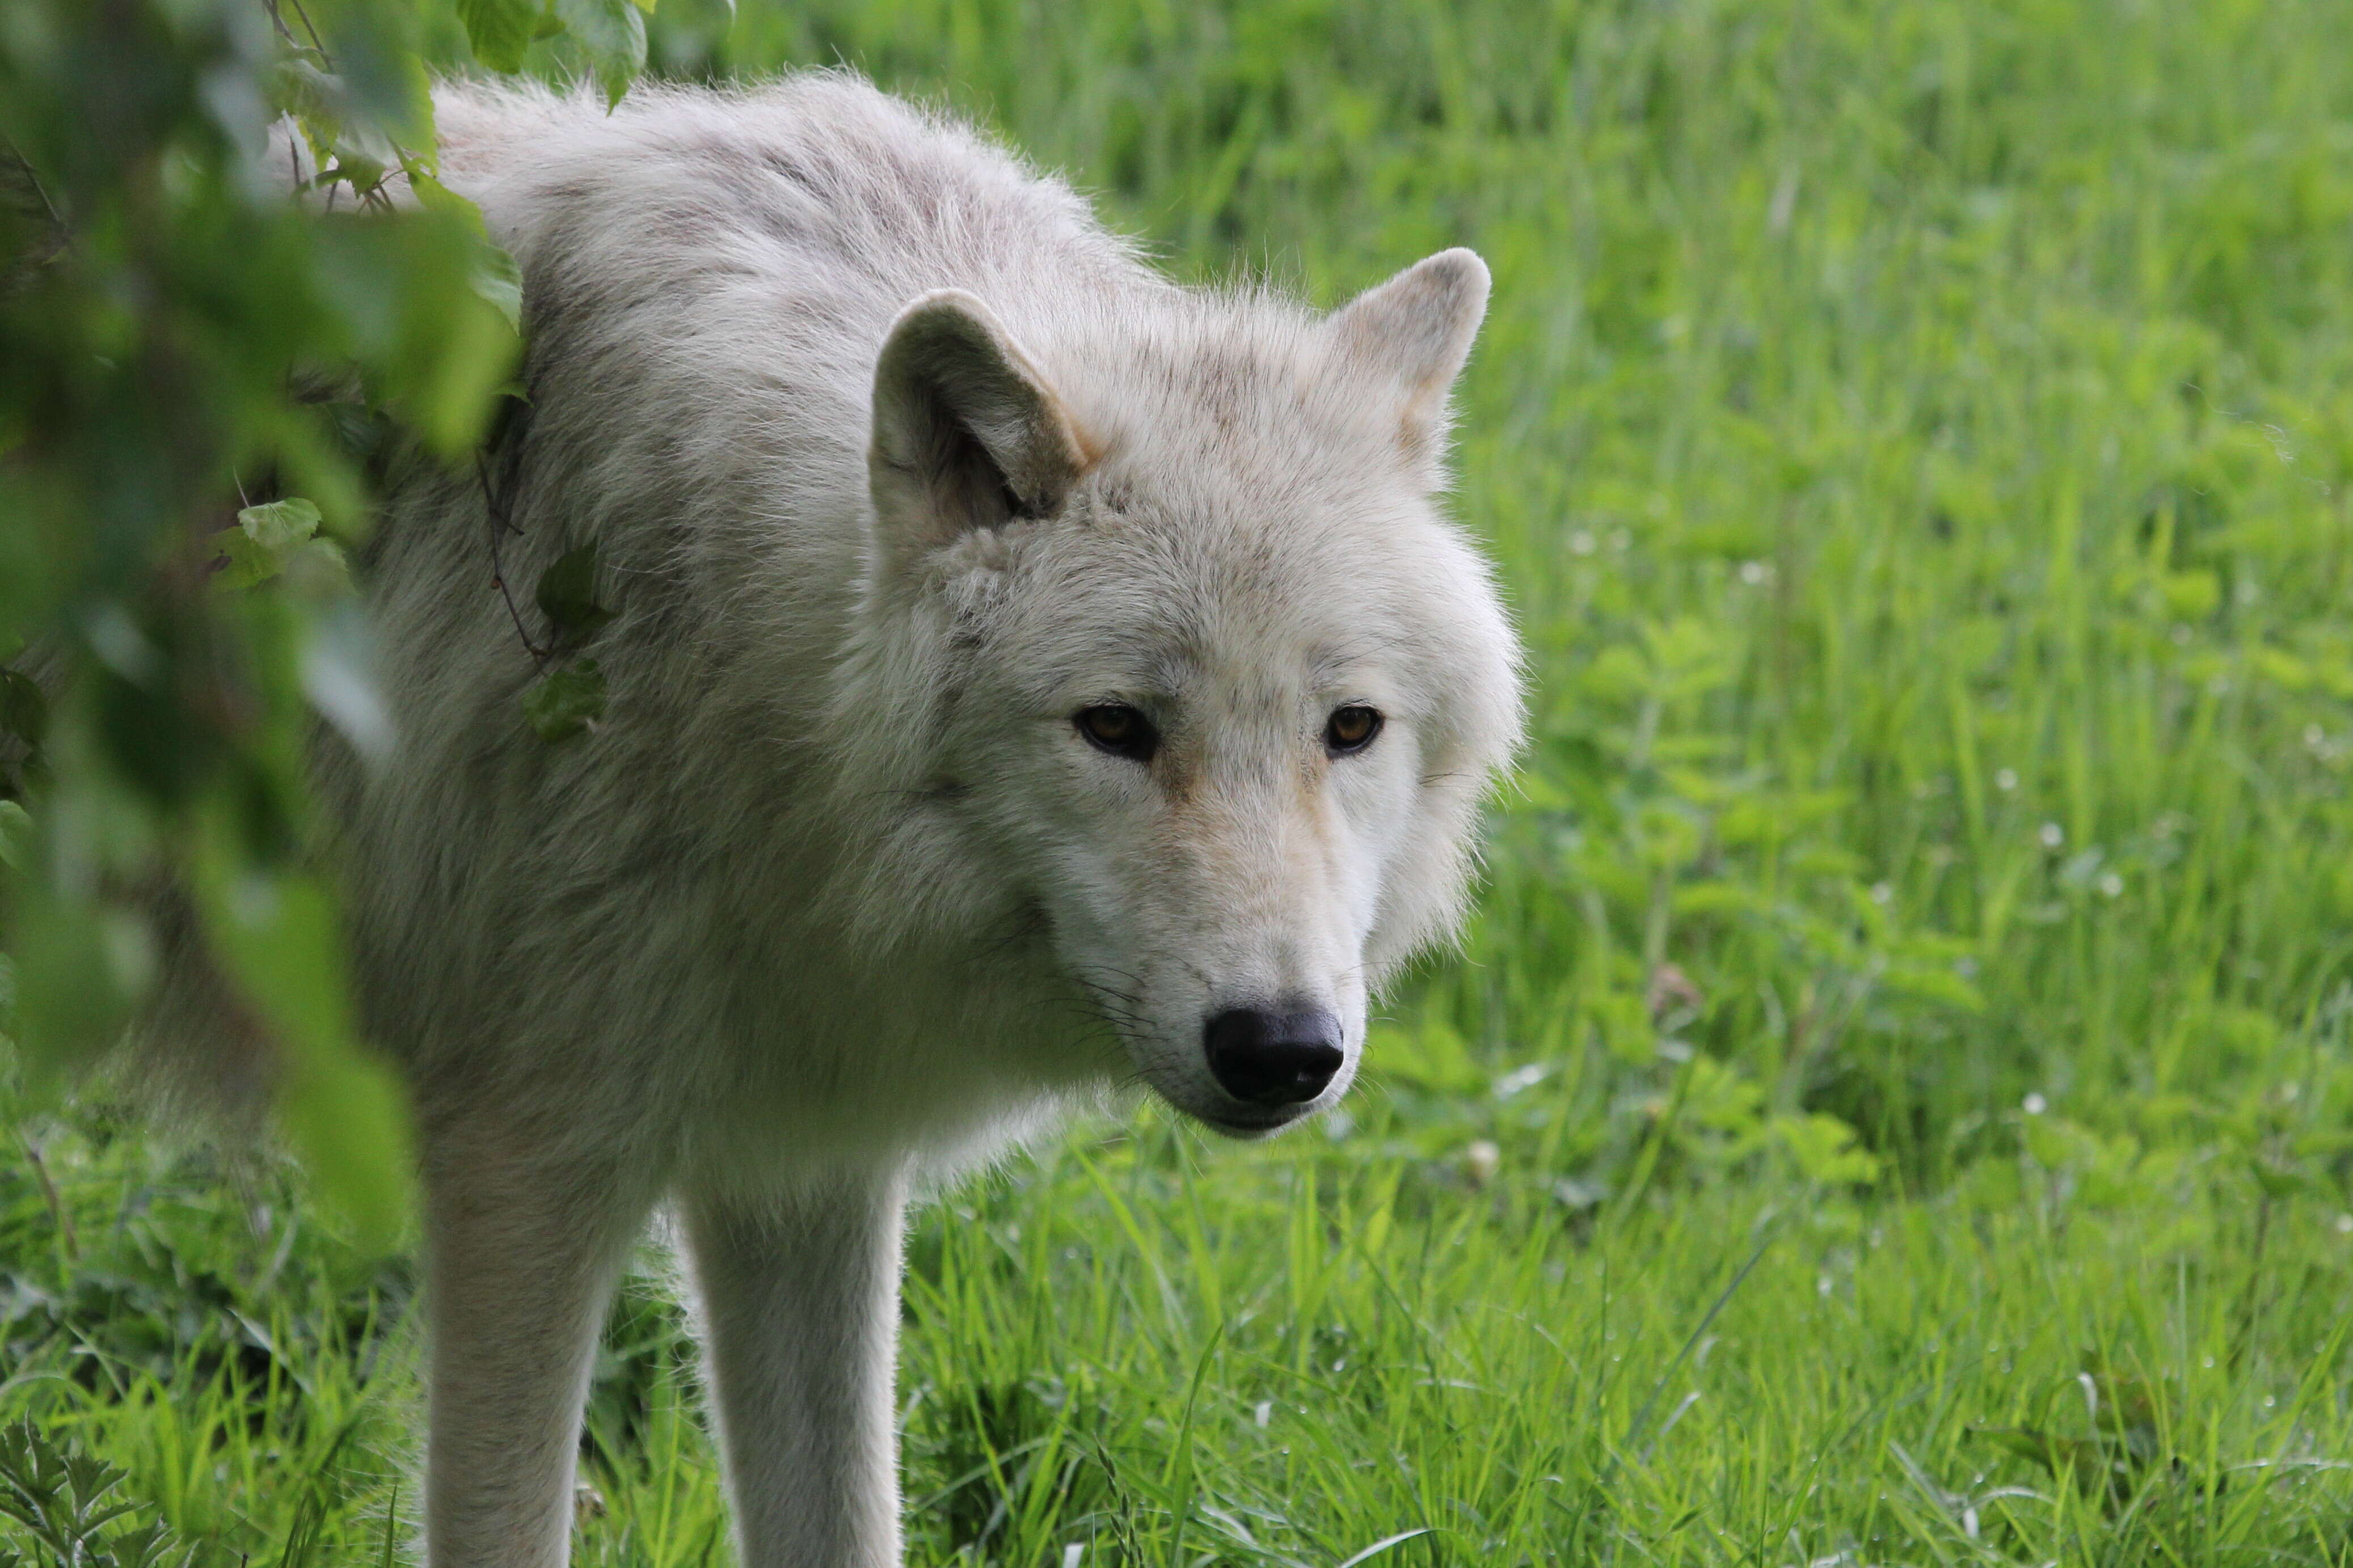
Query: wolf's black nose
(1273, 1059)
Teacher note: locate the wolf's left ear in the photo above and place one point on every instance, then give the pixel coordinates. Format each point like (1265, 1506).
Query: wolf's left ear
(967, 430)
(1415, 331)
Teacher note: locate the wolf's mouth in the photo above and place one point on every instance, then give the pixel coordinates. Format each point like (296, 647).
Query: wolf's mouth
(1253, 1124)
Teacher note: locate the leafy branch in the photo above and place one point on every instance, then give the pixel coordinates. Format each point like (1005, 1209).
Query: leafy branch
(569, 698)
(169, 639)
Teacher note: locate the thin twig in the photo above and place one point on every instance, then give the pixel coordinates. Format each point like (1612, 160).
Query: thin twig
(496, 509)
(316, 42)
(278, 22)
(50, 1196)
(33, 178)
(61, 236)
(372, 197)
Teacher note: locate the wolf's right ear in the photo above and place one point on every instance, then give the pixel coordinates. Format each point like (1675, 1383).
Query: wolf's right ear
(1414, 333)
(968, 432)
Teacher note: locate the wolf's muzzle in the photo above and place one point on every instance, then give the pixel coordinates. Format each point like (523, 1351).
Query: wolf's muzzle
(1273, 1059)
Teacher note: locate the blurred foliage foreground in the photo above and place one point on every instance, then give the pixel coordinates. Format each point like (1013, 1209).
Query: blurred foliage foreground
(1894, 1103)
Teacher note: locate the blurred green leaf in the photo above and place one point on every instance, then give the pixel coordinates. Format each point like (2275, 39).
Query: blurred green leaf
(1826, 1150)
(279, 938)
(312, 95)
(24, 711)
(79, 968)
(612, 34)
(495, 277)
(499, 30)
(498, 279)
(438, 353)
(264, 540)
(567, 595)
(281, 525)
(566, 702)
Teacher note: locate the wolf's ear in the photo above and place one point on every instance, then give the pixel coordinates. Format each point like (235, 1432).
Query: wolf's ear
(1415, 331)
(967, 430)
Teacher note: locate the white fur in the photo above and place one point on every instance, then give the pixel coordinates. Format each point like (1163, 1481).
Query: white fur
(895, 461)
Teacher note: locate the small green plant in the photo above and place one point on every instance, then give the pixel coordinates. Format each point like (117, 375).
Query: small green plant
(73, 1507)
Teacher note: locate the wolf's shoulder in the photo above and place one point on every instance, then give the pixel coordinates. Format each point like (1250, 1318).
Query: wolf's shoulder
(821, 166)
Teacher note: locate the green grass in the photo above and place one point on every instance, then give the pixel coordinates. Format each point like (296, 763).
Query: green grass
(1896, 1104)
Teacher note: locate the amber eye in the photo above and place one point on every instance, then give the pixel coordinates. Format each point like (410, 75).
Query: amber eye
(1116, 728)
(1351, 729)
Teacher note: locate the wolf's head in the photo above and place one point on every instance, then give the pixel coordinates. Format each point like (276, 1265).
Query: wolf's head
(1190, 682)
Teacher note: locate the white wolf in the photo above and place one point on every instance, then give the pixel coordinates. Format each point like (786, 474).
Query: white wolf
(1027, 675)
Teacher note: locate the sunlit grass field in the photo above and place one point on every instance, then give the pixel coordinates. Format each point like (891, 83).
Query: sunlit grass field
(1895, 1103)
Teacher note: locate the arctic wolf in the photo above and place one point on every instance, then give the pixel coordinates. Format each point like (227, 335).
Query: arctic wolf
(1026, 676)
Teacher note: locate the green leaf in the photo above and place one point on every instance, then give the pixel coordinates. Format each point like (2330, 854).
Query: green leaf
(78, 969)
(499, 30)
(347, 1117)
(434, 197)
(433, 350)
(567, 702)
(567, 595)
(496, 278)
(15, 834)
(245, 562)
(612, 34)
(1826, 1150)
(264, 540)
(278, 936)
(24, 711)
(314, 98)
(281, 525)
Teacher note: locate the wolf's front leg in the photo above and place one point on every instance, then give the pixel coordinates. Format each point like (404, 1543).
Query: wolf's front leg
(522, 1253)
(800, 1306)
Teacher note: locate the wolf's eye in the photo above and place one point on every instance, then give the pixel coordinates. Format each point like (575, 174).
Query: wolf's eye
(1116, 728)
(1351, 729)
